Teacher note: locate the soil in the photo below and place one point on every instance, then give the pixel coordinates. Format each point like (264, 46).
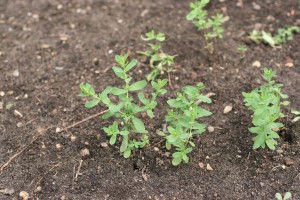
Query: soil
(53, 45)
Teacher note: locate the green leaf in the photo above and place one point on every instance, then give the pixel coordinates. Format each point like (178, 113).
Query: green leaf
(287, 195)
(119, 72)
(107, 115)
(124, 144)
(259, 140)
(267, 37)
(92, 103)
(175, 104)
(205, 99)
(138, 85)
(278, 196)
(295, 112)
(127, 153)
(131, 65)
(160, 133)
(285, 103)
(172, 138)
(139, 125)
(271, 143)
(113, 139)
(116, 108)
(118, 91)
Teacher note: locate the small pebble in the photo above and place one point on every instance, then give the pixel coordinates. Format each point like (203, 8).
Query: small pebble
(201, 165)
(156, 149)
(58, 146)
(73, 138)
(2, 93)
(110, 51)
(256, 64)
(24, 195)
(16, 73)
(210, 129)
(104, 144)
(37, 189)
(84, 152)
(208, 167)
(256, 6)
(19, 124)
(227, 109)
(145, 177)
(59, 6)
(96, 61)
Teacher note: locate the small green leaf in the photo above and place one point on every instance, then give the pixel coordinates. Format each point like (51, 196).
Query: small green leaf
(271, 144)
(278, 196)
(119, 72)
(139, 125)
(118, 91)
(113, 139)
(295, 112)
(92, 103)
(124, 144)
(287, 195)
(267, 37)
(205, 99)
(131, 65)
(127, 153)
(138, 85)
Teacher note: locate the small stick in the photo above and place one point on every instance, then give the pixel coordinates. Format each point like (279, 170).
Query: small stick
(158, 143)
(23, 149)
(78, 169)
(82, 121)
(170, 81)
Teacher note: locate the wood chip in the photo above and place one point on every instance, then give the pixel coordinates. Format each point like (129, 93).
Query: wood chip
(201, 165)
(7, 191)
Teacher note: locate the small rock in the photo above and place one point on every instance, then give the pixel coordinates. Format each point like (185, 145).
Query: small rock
(24, 195)
(227, 109)
(7, 191)
(262, 184)
(19, 124)
(96, 61)
(59, 7)
(57, 130)
(256, 64)
(43, 146)
(208, 167)
(156, 149)
(16, 73)
(37, 189)
(210, 129)
(84, 152)
(201, 165)
(239, 3)
(18, 114)
(289, 64)
(145, 177)
(288, 162)
(256, 6)
(110, 51)
(144, 12)
(279, 151)
(271, 18)
(2, 93)
(58, 146)
(73, 138)
(104, 144)
(62, 198)
(283, 166)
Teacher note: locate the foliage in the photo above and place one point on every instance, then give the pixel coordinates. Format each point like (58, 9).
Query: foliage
(265, 103)
(282, 36)
(297, 113)
(160, 62)
(129, 126)
(182, 119)
(198, 16)
(287, 195)
(242, 48)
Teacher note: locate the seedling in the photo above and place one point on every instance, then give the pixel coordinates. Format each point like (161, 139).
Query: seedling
(127, 124)
(182, 119)
(282, 36)
(297, 115)
(199, 18)
(287, 196)
(265, 103)
(242, 48)
(160, 62)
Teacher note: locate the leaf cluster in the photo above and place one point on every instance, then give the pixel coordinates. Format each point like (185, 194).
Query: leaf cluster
(160, 62)
(183, 124)
(287, 196)
(282, 36)
(198, 16)
(129, 127)
(265, 103)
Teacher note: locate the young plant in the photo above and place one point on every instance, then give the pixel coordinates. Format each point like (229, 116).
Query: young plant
(198, 16)
(297, 115)
(129, 126)
(160, 62)
(282, 36)
(183, 124)
(265, 103)
(287, 196)
(242, 48)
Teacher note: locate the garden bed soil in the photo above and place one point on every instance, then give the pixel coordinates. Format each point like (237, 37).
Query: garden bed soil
(56, 45)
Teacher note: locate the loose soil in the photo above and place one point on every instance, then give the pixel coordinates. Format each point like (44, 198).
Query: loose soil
(53, 45)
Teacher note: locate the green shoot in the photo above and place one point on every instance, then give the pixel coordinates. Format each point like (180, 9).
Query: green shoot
(198, 16)
(242, 48)
(265, 103)
(183, 124)
(287, 196)
(160, 62)
(129, 126)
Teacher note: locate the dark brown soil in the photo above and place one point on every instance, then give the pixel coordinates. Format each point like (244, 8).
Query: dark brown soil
(53, 48)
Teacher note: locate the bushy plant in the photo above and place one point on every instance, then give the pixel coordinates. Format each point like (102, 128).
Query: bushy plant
(160, 62)
(182, 118)
(282, 36)
(265, 103)
(128, 124)
(198, 16)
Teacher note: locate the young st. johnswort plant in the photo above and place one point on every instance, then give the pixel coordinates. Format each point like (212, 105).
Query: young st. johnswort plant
(183, 122)
(128, 124)
(265, 103)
